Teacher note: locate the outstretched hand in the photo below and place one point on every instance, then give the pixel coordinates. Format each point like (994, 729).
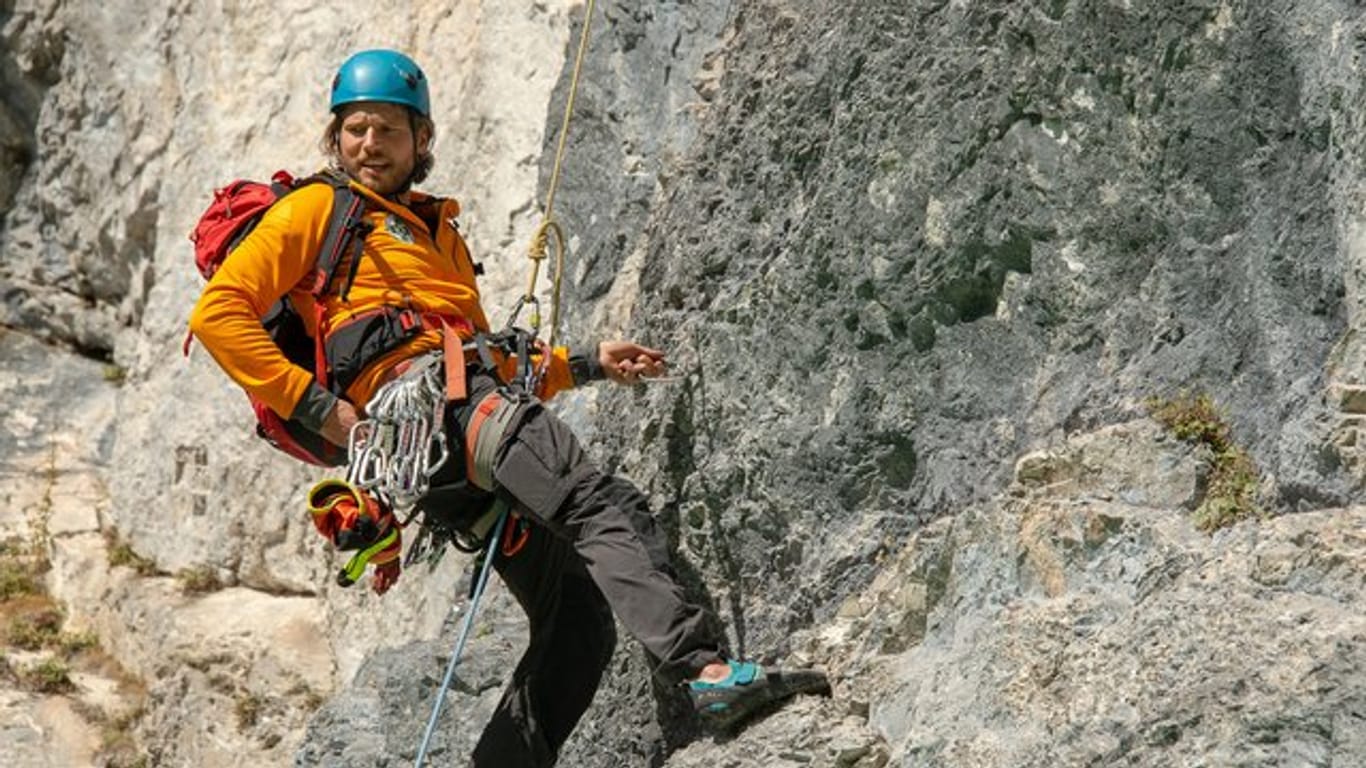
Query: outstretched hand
(626, 362)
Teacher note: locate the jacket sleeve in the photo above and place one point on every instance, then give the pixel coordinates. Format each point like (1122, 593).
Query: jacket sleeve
(558, 376)
(264, 267)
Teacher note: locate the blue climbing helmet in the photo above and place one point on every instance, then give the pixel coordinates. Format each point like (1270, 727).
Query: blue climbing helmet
(381, 75)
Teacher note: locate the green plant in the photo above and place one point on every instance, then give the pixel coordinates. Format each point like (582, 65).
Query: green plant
(50, 676)
(1231, 492)
(1193, 418)
(199, 580)
(121, 553)
(21, 562)
(34, 631)
(15, 580)
(72, 643)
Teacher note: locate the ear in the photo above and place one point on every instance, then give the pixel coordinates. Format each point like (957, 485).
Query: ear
(424, 139)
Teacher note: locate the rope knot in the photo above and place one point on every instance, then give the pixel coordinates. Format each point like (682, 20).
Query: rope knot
(540, 241)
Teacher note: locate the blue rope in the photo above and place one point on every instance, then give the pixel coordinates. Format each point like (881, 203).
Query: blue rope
(492, 549)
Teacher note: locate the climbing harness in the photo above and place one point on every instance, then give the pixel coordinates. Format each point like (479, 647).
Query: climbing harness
(401, 444)
(488, 423)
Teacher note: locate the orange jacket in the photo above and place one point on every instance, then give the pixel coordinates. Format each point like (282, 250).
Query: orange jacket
(404, 265)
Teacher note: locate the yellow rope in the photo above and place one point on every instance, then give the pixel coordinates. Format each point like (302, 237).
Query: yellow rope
(537, 250)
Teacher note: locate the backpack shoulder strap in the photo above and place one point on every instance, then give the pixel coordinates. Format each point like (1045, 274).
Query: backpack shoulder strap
(346, 232)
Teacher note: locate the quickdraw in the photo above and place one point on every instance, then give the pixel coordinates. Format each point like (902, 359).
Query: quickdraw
(392, 448)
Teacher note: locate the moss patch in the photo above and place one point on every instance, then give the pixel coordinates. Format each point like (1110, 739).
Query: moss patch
(1231, 494)
(121, 553)
(47, 676)
(199, 580)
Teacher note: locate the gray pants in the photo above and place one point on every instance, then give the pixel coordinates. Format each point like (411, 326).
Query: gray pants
(594, 551)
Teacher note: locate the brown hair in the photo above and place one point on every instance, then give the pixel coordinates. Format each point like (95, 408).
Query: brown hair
(331, 144)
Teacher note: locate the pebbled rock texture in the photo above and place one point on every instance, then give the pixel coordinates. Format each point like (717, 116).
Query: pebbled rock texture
(919, 265)
(898, 246)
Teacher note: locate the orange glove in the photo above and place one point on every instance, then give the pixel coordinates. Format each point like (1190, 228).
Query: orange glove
(352, 519)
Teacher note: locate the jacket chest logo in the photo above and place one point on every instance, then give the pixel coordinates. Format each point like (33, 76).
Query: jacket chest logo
(398, 229)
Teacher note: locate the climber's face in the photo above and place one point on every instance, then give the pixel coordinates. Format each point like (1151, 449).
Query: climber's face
(377, 146)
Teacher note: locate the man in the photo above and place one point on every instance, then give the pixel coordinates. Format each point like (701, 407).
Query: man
(593, 549)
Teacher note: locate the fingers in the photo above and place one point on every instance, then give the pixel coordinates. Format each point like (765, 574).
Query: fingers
(626, 362)
(654, 354)
(642, 365)
(616, 351)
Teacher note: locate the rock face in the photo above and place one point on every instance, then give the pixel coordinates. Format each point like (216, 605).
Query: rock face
(118, 121)
(1081, 621)
(919, 265)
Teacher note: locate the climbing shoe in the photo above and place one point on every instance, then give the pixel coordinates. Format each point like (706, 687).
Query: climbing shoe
(750, 690)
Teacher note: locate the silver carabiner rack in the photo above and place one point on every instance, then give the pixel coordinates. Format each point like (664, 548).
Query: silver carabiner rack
(401, 443)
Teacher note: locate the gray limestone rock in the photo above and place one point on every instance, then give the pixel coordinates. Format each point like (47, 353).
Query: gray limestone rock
(1078, 628)
(918, 265)
(908, 242)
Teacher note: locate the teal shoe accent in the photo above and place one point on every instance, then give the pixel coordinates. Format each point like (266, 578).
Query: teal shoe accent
(741, 673)
(749, 690)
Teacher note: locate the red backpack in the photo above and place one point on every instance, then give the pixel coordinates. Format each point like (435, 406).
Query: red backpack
(234, 212)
